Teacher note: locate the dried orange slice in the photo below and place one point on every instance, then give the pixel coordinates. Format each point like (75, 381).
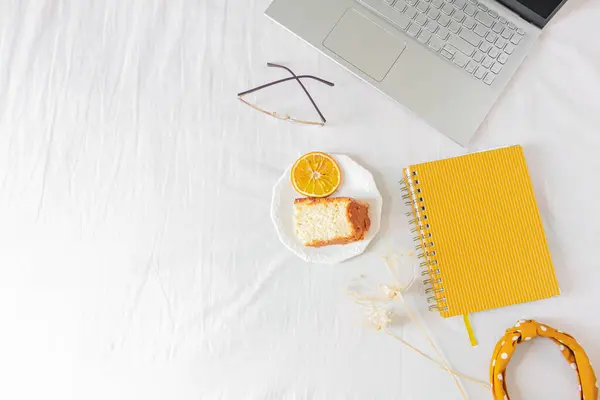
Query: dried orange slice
(316, 175)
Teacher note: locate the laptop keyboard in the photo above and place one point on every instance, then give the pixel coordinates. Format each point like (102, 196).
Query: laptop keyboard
(463, 32)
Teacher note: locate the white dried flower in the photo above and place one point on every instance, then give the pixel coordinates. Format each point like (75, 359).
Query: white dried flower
(390, 292)
(379, 317)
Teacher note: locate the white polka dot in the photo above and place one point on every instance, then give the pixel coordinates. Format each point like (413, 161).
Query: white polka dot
(527, 338)
(502, 343)
(493, 363)
(562, 348)
(515, 338)
(521, 321)
(504, 356)
(573, 365)
(543, 328)
(518, 325)
(500, 377)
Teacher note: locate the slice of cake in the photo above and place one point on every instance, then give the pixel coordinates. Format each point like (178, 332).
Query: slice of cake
(327, 221)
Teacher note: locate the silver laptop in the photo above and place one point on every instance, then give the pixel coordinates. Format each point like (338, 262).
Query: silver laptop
(446, 60)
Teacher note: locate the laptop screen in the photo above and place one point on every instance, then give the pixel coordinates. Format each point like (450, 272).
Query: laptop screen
(538, 12)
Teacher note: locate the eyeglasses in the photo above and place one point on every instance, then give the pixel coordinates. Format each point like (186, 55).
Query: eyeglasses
(293, 77)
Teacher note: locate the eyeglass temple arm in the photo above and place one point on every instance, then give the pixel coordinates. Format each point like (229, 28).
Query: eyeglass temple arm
(303, 88)
(269, 64)
(284, 80)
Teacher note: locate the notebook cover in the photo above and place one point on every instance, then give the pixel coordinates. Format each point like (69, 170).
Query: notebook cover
(483, 232)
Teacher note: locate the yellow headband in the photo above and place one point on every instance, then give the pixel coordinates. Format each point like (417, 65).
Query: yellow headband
(570, 349)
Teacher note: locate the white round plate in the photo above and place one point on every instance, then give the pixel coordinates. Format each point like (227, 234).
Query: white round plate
(357, 183)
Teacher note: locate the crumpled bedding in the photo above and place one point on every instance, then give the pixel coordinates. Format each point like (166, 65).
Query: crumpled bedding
(137, 257)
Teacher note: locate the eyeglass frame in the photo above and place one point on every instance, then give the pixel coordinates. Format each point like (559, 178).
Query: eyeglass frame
(293, 77)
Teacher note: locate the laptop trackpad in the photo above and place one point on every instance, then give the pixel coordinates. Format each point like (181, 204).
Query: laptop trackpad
(364, 44)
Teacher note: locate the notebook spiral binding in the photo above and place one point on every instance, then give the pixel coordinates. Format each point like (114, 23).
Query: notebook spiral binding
(413, 196)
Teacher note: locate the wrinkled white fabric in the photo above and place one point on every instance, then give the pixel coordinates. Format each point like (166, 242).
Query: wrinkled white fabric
(137, 258)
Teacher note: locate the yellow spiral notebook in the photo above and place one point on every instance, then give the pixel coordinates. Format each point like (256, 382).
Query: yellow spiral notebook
(480, 232)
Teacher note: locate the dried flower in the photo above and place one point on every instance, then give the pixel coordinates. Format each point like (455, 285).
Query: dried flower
(390, 291)
(379, 317)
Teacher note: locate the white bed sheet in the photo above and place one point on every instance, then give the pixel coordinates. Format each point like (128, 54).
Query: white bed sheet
(137, 258)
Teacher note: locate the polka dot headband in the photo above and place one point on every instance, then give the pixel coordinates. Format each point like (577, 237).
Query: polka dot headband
(570, 349)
